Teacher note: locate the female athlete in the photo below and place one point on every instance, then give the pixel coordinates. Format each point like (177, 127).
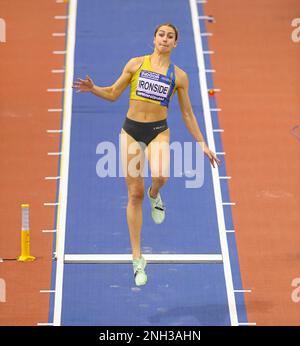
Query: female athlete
(153, 81)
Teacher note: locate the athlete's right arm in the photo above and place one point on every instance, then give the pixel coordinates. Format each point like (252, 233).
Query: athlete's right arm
(113, 92)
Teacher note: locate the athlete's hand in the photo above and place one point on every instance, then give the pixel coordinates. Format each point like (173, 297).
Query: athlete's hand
(83, 85)
(211, 155)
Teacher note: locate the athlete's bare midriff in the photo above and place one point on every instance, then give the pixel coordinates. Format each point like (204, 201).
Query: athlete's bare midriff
(144, 111)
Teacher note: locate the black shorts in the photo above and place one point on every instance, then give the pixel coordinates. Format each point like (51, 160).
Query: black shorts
(144, 132)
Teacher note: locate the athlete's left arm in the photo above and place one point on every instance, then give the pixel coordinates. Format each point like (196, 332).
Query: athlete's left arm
(188, 115)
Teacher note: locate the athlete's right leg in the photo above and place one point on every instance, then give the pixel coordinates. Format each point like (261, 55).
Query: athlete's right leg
(133, 164)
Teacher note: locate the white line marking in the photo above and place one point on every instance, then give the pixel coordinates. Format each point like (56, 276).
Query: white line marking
(54, 154)
(64, 167)
(58, 34)
(49, 230)
(58, 71)
(47, 291)
(204, 17)
(54, 131)
(61, 17)
(59, 52)
(151, 258)
(50, 204)
(52, 178)
(215, 172)
(55, 90)
(230, 231)
(53, 110)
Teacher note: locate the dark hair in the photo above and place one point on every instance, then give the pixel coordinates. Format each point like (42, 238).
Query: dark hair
(171, 26)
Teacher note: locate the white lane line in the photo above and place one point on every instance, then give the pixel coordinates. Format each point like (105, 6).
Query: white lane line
(47, 291)
(230, 231)
(58, 71)
(52, 178)
(61, 17)
(58, 34)
(205, 17)
(54, 131)
(49, 230)
(54, 153)
(150, 258)
(64, 166)
(50, 204)
(55, 90)
(54, 110)
(215, 172)
(59, 52)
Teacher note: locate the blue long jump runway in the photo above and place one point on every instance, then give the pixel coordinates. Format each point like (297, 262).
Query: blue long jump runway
(108, 34)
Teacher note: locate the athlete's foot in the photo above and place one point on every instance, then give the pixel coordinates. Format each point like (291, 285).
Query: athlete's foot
(140, 275)
(158, 210)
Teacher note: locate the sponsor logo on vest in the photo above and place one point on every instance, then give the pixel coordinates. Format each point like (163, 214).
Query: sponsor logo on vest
(151, 75)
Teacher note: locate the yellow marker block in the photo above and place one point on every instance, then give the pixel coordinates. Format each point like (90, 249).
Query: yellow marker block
(25, 247)
(25, 236)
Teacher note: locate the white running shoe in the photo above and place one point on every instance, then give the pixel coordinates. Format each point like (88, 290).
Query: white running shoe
(140, 275)
(158, 210)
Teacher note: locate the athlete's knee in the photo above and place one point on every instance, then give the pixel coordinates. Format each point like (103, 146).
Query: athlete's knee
(136, 196)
